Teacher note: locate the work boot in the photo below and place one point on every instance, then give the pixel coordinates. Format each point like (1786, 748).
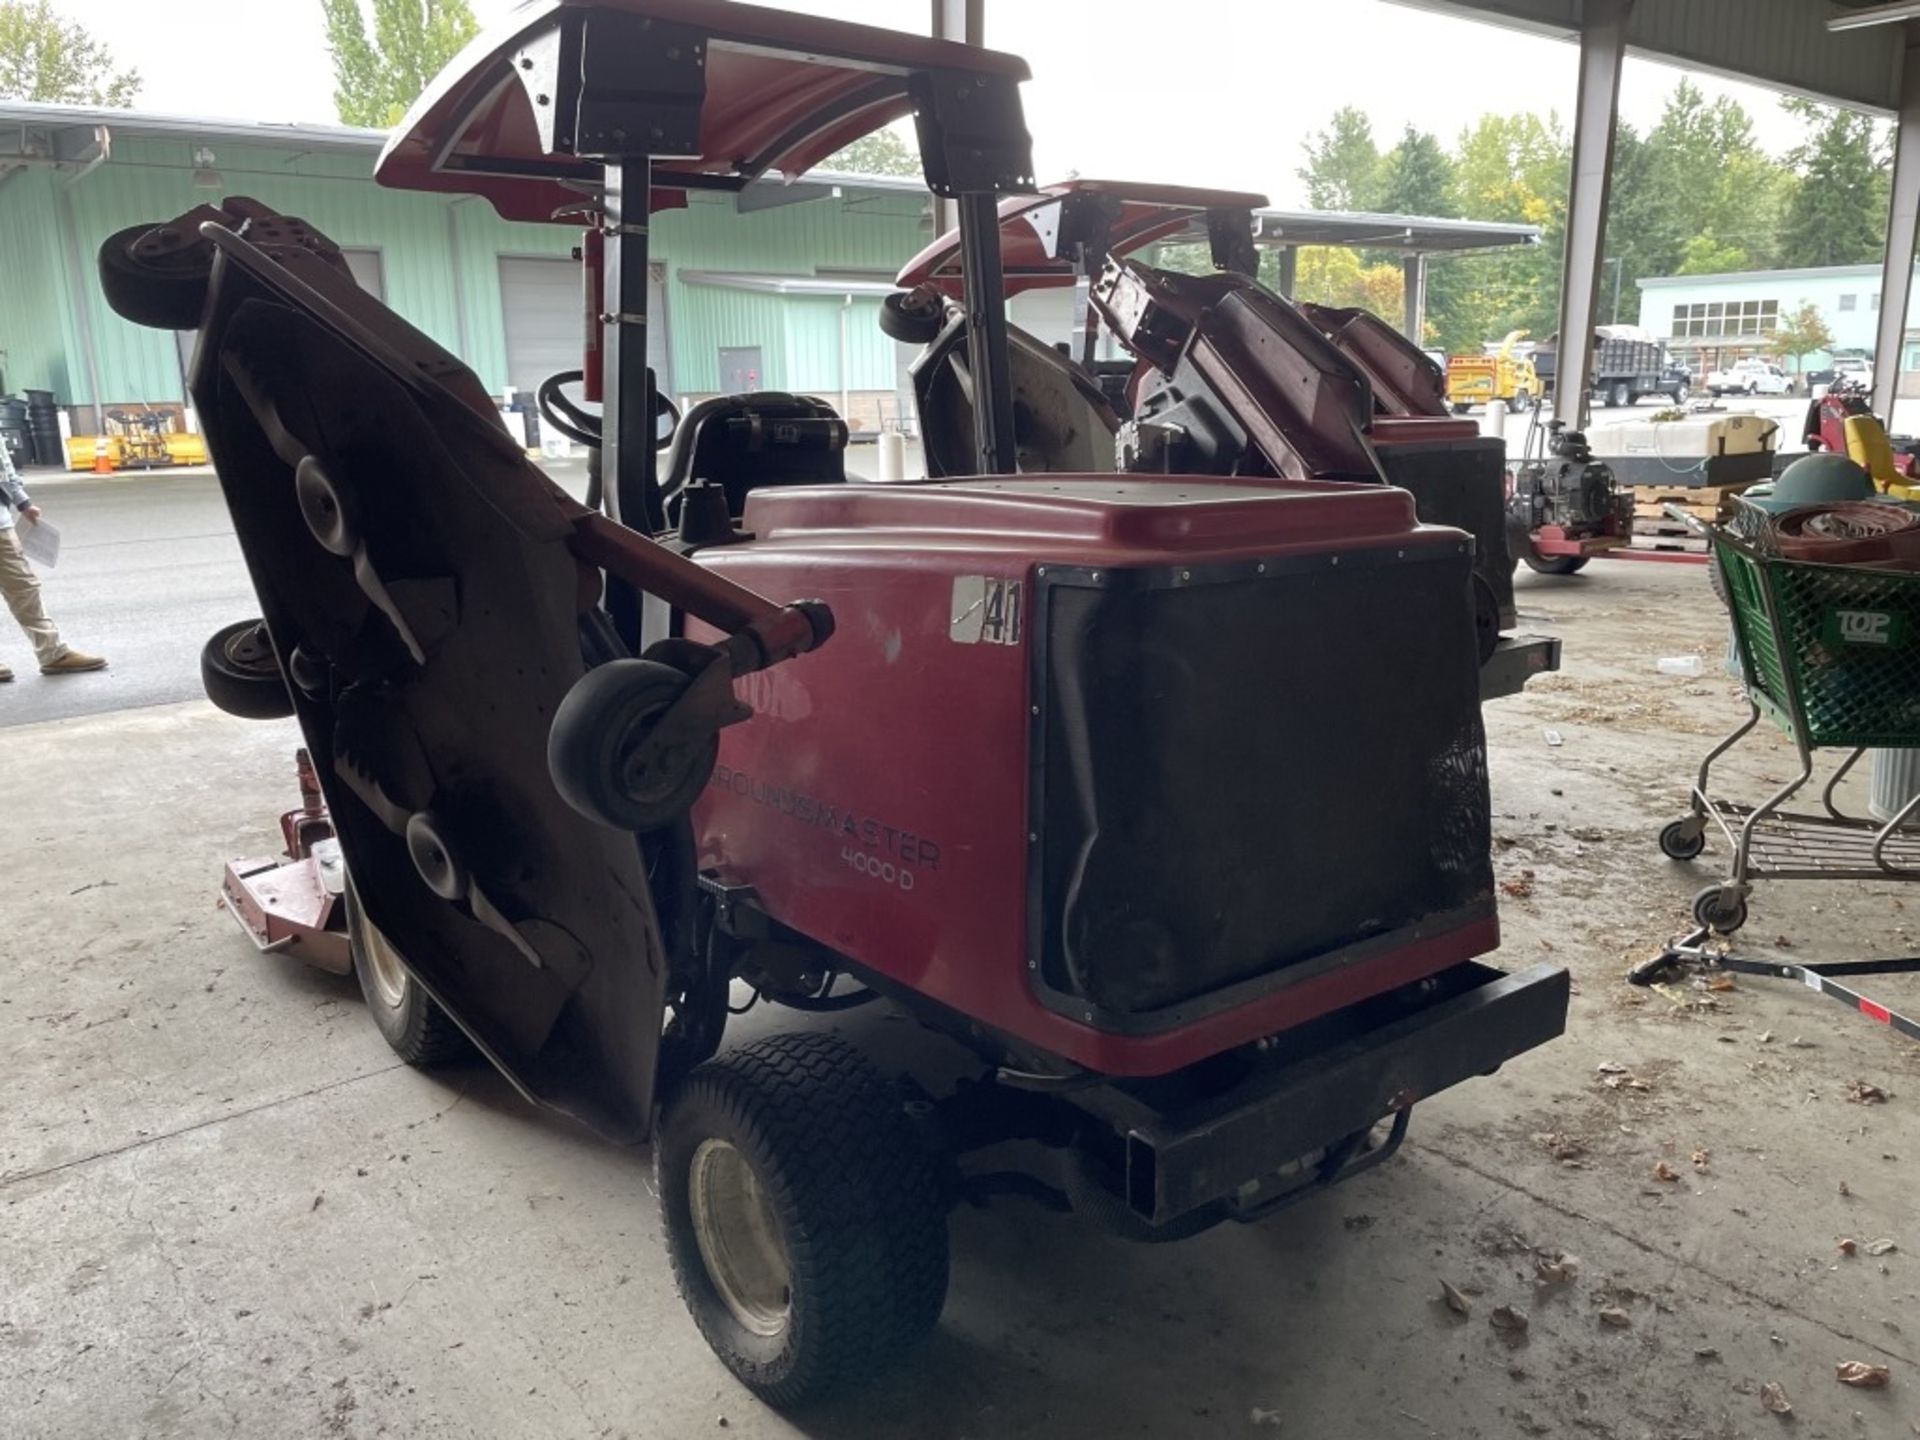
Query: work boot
(73, 663)
(5, 674)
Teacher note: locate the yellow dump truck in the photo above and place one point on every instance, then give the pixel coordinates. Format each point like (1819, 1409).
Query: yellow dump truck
(1481, 379)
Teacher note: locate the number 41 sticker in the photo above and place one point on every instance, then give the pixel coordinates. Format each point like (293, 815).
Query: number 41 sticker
(986, 611)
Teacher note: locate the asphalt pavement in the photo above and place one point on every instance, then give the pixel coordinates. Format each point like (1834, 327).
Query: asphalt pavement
(148, 570)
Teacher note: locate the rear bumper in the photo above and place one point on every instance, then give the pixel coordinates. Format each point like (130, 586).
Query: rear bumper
(1516, 659)
(1224, 1152)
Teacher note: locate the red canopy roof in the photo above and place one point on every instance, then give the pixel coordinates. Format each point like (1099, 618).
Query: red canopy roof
(783, 91)
(1029, 223)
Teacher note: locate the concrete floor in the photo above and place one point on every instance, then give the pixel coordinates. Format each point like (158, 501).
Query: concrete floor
(228, 1212)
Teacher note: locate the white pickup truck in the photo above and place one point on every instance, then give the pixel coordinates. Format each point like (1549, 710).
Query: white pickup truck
(1748, 377)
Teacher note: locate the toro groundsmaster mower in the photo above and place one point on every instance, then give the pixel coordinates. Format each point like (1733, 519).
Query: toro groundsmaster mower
(1215, 375)
(1166, 803)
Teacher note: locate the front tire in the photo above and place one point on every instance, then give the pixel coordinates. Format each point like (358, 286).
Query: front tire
(805, 1218)
(1619, 397)
(420, 1032)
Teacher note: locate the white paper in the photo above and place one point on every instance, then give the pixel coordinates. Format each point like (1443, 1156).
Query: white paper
(40, 542)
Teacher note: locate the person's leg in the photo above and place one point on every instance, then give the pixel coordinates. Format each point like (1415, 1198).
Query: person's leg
(21, 587)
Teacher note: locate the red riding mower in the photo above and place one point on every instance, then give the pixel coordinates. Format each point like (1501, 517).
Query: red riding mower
(1166, 802)
(1214, 375)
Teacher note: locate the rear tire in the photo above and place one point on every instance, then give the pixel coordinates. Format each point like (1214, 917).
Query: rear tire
(805, 1217)
(1619, 396)
(420, 1032)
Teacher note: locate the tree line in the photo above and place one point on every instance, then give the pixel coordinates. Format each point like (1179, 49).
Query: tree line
(1693, 195)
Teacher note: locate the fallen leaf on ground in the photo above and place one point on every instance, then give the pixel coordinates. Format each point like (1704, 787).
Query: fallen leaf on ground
(1664, 1171)
(1863, 1093)
(1766, 1037)
(1616, 1317)
(1561, 1147)
(1706, 1352)
(1700, 1158)
(1848, 1247)
(1881, 1247)
(1508, 1320)
(1267, 1417)
(1861, 1375)
(1774, 1397)
(1556, 1270)
(1845, 1189)
(1456, 1302)
(1610, 1067)
(1520, 887)
(1721, 983)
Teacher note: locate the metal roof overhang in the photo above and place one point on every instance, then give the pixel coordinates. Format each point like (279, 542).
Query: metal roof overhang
(1784, 44)
(786, 284)
(1145, 214)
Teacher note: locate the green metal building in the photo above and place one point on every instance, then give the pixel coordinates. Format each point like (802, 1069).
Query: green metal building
(778, 288)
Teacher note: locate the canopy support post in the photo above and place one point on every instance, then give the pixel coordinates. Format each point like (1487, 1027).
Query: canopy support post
(1903, 220)
(1603, 49)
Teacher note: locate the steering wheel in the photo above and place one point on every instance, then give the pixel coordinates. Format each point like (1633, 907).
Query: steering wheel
(583, 426)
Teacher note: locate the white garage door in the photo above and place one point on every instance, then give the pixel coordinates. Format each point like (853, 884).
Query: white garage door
(544, 314)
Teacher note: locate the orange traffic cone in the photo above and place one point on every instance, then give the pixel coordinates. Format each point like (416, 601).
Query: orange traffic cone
(102, 457)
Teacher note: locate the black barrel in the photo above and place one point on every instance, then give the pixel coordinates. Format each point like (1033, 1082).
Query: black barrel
(13, 430)
(43, 428)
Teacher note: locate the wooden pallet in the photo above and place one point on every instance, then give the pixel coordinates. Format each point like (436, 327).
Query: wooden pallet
(1711, 503)
(1665, 533)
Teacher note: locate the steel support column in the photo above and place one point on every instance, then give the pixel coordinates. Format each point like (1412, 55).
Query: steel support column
(1903, 220)
(1413, 319)
(964, 21)
(1289, 256)
(1603, 49)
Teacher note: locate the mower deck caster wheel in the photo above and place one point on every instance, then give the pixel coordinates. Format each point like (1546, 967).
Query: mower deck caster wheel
(597, 751)
(420, 1032)
(156, 277)
(1556, 564)
(913, 317)
(241, 674)
(1683, 839)
(805, 1215)
(1720, 908)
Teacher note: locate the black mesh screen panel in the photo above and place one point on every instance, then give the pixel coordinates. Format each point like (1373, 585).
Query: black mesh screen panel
(1238, 775)
(1462, 483)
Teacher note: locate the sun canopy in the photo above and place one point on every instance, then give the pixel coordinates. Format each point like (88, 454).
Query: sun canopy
(716, 93)
(1038, 233)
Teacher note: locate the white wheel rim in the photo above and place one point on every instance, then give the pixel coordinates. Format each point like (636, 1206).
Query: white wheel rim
(739, 1237)
(390, 978)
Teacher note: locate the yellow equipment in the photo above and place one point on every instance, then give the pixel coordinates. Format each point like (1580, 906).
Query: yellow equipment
(1867, 447)
(1482, 379)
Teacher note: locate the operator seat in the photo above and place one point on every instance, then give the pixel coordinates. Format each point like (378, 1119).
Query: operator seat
(746, 442)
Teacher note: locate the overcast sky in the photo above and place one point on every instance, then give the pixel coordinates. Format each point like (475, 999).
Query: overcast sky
(1183, 90)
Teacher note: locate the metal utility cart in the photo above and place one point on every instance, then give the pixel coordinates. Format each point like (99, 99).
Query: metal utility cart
(1831, 654)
